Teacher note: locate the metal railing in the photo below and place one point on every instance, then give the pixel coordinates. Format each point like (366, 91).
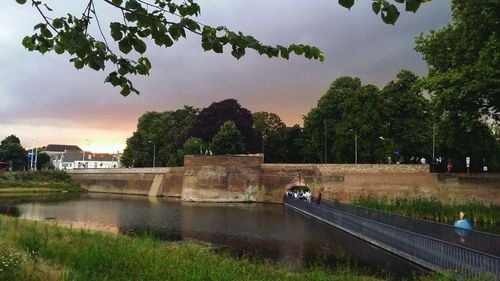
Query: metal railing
(422, 249)
(480, 241)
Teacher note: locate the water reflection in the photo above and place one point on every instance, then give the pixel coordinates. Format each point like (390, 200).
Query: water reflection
(253, 230)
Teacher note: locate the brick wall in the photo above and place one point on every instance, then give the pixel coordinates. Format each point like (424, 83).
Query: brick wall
(221, 178)
(240, 178)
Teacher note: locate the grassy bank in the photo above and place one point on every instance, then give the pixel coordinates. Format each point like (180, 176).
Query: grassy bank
(38, 251)
(37, 181)
(486, 218)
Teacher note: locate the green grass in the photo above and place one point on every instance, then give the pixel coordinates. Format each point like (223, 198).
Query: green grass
(38, 251)
(37, 181)
(485, 218)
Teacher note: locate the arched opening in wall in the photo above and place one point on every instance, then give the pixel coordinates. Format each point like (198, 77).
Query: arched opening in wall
(298, 188)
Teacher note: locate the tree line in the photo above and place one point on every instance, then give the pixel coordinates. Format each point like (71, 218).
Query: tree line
(450, 114)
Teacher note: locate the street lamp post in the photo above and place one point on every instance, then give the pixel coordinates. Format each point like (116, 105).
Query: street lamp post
(355, 147)
(154, 153)
(324, 122)
(433, 142)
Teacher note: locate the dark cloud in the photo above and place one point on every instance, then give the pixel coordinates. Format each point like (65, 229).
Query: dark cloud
(46, 90)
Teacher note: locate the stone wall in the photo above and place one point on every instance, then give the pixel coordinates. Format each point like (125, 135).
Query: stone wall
(348, 182)
(221, 178)
(244, 178)
(130, 181)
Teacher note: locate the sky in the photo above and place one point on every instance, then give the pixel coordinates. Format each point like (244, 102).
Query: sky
(44, 99)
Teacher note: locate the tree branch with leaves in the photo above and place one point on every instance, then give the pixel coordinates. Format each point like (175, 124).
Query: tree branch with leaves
(164, 22)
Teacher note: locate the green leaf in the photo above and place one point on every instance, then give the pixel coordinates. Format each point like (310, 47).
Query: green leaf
(376, 7)
(39, 25)
(117, 35)
(145, 61)
(28, 42)
(167, 41)
(125, 90)
(206, 45)
(346, 3)
(131, 17)
(217, 47)
(79, 64)
(46, 32)
(21, 2)
(412, 5)
(390, 14)
(139, 46)
(117, 2)
(124, 45)
(57, 23)
(59, 49)
(113, 79)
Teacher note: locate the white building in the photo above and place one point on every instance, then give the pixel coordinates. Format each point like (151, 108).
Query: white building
(68, 157)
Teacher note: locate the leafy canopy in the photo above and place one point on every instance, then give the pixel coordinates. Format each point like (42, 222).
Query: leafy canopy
(464, 82)
(210, 119)
(11, 150)
(228, 140)
(157, 130)
(163, 22)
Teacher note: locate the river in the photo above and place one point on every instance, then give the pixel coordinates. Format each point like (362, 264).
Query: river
(262, 231)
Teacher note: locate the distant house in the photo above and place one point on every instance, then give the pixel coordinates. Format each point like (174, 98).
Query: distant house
(97, 161)
(68, 157)
(57, 151)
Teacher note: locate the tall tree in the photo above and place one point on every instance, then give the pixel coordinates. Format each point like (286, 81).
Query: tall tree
(464, 81)
(408, 116)
(192, 146)
(11, 150)
(347, 112)
(228, 140)
(43, 161)
(464, 61)
(210, 119)
(157, 131)
(285, 145)
(268, 127)
(266, 122)
(161, 21)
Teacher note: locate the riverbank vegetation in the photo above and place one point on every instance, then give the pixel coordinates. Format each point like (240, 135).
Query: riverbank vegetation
(485, 218)
(39, 251)
(37, 181)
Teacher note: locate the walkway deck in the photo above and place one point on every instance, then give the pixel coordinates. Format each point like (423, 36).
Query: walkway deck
(432, 245)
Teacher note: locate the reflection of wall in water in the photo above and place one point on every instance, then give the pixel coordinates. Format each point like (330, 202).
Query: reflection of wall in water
(243, 230)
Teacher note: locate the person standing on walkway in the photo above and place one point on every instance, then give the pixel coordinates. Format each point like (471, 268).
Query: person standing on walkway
(449, 167)
(319, 197)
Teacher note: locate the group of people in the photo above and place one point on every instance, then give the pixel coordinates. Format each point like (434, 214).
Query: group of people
(399, 159)
(300, 195)
(303, 195)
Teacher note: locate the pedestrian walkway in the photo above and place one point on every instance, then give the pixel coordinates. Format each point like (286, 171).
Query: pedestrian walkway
(432, 245)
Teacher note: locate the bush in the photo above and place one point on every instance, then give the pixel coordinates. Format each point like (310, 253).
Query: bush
(41, 175)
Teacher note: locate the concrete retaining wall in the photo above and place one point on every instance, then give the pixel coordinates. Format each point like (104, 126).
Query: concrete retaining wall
(244, 178)
(130, 181)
